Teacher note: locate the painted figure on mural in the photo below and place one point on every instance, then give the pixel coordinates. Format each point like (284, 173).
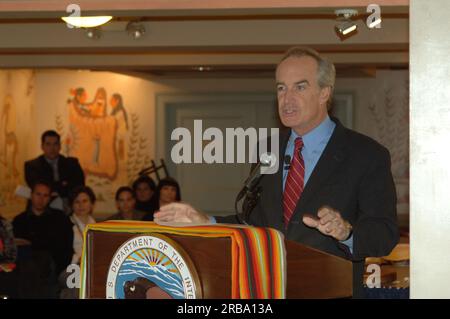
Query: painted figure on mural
(92, 133)
(119, 112)
(98, 131)
(97, 108)
(79, 100)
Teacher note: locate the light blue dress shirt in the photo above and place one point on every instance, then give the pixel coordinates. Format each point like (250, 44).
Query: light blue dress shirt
(314, 142)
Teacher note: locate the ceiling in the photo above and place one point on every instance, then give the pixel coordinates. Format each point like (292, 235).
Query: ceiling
(201, 38)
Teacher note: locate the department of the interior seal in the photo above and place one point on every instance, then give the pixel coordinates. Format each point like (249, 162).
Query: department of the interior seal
(151, 266)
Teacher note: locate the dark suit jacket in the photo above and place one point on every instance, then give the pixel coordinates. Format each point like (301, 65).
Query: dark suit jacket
(50, 232)
(70, 173)
(353, 176)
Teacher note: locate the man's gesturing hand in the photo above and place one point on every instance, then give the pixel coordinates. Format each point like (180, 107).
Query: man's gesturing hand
(179, 213)
(330, 223)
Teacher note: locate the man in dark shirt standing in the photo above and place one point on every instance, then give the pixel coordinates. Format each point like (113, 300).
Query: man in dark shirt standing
(62, 173)
(50, 251)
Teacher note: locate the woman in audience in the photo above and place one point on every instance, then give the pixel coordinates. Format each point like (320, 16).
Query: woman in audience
(144, 187)
(126, 205)
(168, 191)
(82, 201)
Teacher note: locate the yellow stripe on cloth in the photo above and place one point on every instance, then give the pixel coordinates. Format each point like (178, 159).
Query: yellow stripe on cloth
(257, 254)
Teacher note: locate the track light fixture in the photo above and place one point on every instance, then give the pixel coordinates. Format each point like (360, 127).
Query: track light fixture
(345, 25)
(135, 29)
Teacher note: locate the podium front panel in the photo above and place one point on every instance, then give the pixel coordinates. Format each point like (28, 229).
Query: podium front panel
(211, 259)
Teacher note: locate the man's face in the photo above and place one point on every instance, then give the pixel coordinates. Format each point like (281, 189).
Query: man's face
(40, 197)
(125, 202)
(302, 104)
(51, 147)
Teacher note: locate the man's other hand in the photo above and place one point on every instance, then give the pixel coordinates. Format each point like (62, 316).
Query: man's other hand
(180, 213)
(330, 223)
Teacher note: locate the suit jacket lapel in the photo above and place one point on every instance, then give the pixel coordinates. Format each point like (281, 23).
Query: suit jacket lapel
(331, 158)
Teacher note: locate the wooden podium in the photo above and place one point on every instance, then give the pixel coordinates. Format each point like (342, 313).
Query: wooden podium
(310, 272)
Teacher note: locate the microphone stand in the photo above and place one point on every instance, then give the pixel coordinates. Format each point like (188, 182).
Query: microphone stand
(250, 200)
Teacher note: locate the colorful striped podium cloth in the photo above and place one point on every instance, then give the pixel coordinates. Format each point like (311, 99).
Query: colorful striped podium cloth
(258, 254)
(7, 267)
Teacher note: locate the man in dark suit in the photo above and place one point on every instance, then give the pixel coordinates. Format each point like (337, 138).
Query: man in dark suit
(337, 193)
(62, 173)
(48, 233)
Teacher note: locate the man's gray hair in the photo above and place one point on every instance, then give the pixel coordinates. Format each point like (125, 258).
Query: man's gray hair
(326, 72)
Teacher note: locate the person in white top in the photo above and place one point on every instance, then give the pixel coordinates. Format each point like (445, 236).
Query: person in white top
(82, 201)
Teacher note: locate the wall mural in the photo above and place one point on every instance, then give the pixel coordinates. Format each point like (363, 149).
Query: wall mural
(105, 138)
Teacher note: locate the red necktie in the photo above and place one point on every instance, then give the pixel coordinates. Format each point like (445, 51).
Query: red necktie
(294, 182)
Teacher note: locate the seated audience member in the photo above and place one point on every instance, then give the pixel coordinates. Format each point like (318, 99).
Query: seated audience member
(144, 188)
(8, 249)
(168, 191)
(8, 254)
(82, 201)
(50, 235)
(62, 173)
(126, 205)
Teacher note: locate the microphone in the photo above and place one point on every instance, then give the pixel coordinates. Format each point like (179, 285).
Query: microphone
(253, 179)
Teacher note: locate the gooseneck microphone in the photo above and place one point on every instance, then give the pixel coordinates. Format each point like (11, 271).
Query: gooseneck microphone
(250, 189)
(254, 177)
